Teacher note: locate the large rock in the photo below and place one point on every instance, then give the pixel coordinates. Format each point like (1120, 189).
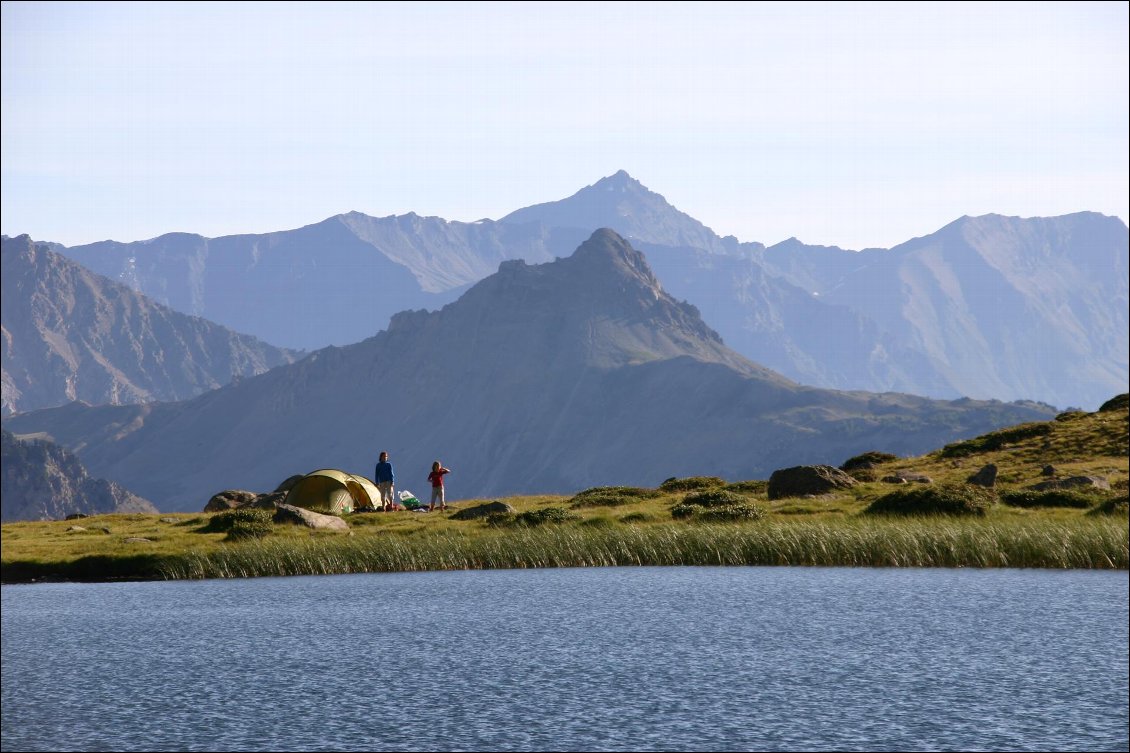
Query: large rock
(802, 480)
(482, 511)
(1074, 482)
(299, 516)
(229, 499)
(986, 477)
(266, 501)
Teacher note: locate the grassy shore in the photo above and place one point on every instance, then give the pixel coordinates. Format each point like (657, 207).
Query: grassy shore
(679, 523)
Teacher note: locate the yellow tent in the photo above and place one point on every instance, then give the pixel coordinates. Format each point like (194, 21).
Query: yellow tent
(335, 490)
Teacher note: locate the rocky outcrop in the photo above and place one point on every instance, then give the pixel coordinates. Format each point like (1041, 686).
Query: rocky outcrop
(315, 520)
(804, 480)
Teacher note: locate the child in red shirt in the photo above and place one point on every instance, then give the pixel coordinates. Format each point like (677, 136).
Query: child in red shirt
(436, 477)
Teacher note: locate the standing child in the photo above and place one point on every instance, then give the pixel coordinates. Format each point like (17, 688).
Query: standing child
(386, 481)
(436, 477)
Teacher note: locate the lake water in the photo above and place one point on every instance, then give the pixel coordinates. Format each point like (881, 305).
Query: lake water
(588, 659)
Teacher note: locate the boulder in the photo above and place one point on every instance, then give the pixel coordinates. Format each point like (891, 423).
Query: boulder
(1074, 482)
(1048, 470)
(802, 480)
(482, 511)
(308, 518)
(986, 477)
(75, 529)
(266, 501)
(893, 480)
(229, 500)
(918, 478)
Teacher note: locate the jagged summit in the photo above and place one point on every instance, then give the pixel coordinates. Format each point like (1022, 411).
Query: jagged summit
(602, 305)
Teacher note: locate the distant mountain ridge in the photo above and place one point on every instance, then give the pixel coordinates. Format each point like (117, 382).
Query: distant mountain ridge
(70, 334)
(540, 378)
(979, 322)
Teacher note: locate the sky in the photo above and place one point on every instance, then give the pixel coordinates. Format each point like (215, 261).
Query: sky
(850, 124)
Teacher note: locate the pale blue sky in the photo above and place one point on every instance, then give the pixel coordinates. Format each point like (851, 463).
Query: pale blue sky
(848, 124)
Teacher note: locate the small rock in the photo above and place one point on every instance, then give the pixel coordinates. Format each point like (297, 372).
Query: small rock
(1074, 482)
(1048, 470)
(138, 540)
(893, 480)
(75, 528)
(168, 520)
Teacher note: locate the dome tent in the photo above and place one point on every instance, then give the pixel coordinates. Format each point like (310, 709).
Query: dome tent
(333, 490)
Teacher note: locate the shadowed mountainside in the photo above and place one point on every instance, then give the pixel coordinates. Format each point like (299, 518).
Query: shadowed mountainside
(43, 481)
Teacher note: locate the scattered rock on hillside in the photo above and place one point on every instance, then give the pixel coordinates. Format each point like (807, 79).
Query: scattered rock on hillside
(76, 516)
(918, 478)
(308, 518)
(1074, 482)
(229, 500)
(482, 511)
(802, 480)
(986, 477)
(893, 480)
(1048, 470)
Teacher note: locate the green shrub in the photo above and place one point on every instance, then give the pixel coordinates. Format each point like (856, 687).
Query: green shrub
(611, 496)
(1115, 506)
(713, 498)
(748, 487)
(731, 512)
(691, 483)
(248, 518)
(867, 460)
(935, 500)
(531, 518)
(683, 510)
(995, 440)
(1050, 498)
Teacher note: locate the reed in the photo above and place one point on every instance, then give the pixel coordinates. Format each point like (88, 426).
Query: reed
(1090, 543)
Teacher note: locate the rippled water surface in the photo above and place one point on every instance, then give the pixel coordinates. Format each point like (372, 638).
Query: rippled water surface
(587, 659)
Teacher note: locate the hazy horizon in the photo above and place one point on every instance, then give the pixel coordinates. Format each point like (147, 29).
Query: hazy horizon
(854, 125)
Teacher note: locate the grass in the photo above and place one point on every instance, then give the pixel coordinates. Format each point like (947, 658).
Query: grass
(727, 524)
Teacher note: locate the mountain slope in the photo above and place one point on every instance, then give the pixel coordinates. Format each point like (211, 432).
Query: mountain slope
(42, 481)
(1009, 307)
(541, 378)
(70, 334)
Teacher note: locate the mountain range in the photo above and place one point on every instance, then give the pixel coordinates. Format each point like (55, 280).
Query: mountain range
(546, 377)
(987, 307)
(70, 334)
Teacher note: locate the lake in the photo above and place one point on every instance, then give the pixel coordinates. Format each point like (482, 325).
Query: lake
(693, 658)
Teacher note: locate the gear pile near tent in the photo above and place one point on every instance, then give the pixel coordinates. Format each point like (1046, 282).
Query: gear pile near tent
(333, 490)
